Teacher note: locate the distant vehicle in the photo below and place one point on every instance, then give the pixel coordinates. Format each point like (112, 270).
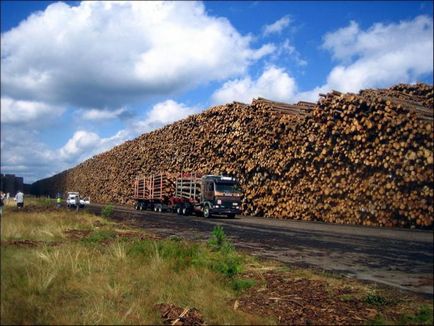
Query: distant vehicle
(188, 193)
(71, 200)
(85, 201)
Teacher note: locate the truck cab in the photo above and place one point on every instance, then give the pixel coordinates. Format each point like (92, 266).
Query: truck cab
(220, 195)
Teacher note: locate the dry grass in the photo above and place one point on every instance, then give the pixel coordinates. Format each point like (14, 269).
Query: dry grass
(103, 280)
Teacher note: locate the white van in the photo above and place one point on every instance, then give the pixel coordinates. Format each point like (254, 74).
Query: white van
(71, 199)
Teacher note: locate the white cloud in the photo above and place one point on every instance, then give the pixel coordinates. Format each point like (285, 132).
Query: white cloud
(380, 56)
(98, 115)
(274, 83)
(287, 49)
(79, 143)
(106, 54)
(162, 114)
(27, 112)
(23, 155)
(278, 26)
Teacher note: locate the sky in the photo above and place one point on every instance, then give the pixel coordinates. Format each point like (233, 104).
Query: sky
(78, 78)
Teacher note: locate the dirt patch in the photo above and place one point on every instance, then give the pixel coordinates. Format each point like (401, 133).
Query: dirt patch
(303, 301)
(137, 235)
(174, 315)
(29, 243)
(98, 224)
(76, 234)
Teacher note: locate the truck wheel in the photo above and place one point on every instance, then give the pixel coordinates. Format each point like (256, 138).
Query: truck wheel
(155, 208)
(185, 211)
(231, 215)
(206, 212)
(160, 208)
(141, 206)
(137, 206)
(178, 210)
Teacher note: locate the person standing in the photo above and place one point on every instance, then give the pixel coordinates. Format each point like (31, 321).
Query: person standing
(59, 201)
(77, 202)
(19, 197)
(2, 198)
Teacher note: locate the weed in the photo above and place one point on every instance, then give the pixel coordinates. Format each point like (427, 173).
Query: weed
(239, 285)
(99, 236)
(376, 300)
(107, 211)
(424, 316)
(219, 241)
(346, 297)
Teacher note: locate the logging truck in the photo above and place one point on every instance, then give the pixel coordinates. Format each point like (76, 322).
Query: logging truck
(188, 193)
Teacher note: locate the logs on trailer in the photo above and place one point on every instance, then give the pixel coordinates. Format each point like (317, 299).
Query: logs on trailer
(362, 158)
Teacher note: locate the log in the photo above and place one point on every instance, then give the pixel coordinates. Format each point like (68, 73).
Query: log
(363, 158)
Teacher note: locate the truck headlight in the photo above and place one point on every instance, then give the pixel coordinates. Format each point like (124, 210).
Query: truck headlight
(235, 204)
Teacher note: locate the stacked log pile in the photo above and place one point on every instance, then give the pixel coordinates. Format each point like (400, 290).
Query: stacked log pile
(362, 158)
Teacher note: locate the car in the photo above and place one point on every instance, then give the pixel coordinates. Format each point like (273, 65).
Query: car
(71, 200)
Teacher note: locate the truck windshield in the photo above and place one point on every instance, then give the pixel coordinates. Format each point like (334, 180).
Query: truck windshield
(228, 187)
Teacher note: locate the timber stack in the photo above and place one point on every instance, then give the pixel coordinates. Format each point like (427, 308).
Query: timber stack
(363, 158)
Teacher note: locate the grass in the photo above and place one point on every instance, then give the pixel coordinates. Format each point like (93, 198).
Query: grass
(81, 269)
(102, 278)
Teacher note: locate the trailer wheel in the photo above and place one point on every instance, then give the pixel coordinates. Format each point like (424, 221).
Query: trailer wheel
(178, 210)
(142, 206)
(137, 206)
(160, 208)
(185, 211)
(206, 212)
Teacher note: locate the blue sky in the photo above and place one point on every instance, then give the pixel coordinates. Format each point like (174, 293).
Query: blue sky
(79, 78)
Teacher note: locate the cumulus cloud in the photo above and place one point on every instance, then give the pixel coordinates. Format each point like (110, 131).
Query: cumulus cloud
(84, 144)
(278, 26)
(98, 115)
(288, 50)
(162, 114)
(27, 112)
(274, 83)
(22, 153)
(381, 55)
(107, 54)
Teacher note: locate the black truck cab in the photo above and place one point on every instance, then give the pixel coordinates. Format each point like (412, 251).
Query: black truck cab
(220, 196)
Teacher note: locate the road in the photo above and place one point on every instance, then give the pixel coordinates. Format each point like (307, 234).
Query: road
(396, 257)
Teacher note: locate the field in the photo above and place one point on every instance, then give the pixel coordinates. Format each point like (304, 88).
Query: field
(63, 267)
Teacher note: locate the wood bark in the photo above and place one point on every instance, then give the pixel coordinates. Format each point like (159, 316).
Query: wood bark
(363, 158)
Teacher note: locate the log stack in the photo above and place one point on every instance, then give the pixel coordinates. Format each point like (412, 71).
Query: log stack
(363, 158)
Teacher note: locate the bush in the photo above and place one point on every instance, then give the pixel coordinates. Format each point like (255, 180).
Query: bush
(376, 300)
(219, 241)
(107, 211)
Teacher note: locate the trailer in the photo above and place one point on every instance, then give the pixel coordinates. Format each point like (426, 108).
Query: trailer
(188, 193)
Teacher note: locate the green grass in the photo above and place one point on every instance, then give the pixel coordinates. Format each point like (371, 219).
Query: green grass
(107, 211)
(105, 279)
(84, 269)
(423, 316)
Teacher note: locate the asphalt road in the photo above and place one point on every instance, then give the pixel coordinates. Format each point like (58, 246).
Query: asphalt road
(395, 257)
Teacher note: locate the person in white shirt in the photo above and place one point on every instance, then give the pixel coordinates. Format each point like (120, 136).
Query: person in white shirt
(19, 197)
